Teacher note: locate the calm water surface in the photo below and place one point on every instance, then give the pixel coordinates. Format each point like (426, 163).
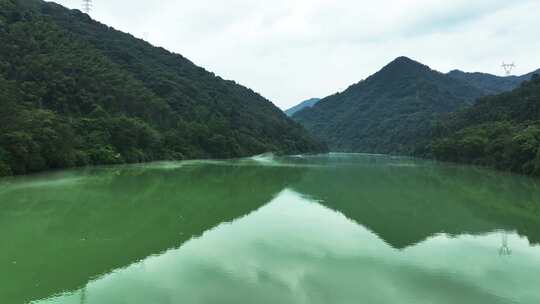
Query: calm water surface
(333, 229)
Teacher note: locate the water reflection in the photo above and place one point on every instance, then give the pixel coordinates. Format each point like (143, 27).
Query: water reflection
(320, 229)
(505, 248)
(60, 230)
(296, 250)
(406, 201)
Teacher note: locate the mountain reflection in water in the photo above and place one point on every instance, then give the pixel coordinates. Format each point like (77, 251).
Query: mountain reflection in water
(319, 229)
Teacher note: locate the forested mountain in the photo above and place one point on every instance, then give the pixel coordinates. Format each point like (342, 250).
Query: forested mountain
(491, 84)
(75, 92)
(501, 131)
(390, 112)
(304, 104)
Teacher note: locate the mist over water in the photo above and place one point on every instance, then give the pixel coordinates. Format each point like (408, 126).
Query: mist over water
(337, 228)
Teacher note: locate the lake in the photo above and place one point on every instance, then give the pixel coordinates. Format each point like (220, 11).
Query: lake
(337, 228)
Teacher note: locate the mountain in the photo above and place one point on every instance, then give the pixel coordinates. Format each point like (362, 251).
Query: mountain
(501, 131)
(390, 112)
(304, 104)
(491, 84)
(76, 92)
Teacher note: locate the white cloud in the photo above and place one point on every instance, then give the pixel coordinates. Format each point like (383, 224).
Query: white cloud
(290, 50)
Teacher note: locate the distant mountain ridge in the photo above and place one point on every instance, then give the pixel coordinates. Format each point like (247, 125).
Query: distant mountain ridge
(304, 104)
(390, 112)
(491, 84)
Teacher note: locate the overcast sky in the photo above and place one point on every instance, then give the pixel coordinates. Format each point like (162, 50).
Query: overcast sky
(291, 50)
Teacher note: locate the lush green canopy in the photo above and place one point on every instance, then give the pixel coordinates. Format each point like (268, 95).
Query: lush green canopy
(501, 131)
(75, 92)
(390, 112)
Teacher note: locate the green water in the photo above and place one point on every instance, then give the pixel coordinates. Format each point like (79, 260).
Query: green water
(322, 229)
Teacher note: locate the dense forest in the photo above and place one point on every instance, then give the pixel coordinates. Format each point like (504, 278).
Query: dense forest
(390, 112)
(501, 131)
(75, 92)
(407, 108)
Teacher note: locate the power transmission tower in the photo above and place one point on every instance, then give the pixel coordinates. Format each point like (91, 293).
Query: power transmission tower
(83, 295)
(87, 6)
(504, 250)
(508, 67)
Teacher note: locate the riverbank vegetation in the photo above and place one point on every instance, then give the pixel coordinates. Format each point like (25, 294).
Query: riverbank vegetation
(501, 131)
(75, 92)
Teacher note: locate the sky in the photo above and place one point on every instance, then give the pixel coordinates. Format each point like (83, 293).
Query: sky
(292, 50)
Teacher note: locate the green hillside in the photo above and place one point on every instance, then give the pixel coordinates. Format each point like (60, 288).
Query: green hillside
(390, 112)
(501, 131)
(75, 92)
